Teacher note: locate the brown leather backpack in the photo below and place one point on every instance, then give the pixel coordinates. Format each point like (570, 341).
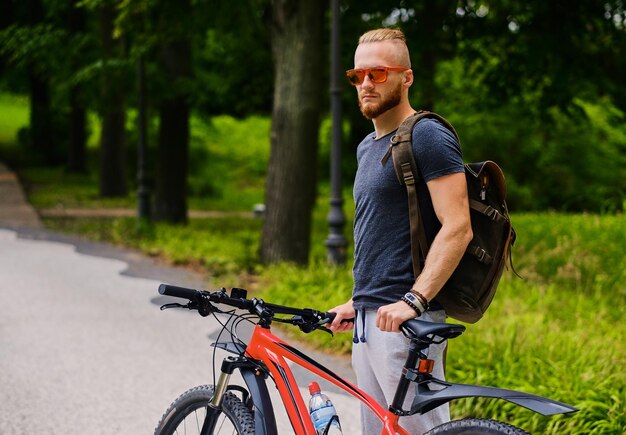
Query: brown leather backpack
(472, 286)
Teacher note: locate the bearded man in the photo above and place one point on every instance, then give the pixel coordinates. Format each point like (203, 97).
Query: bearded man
(383, 271)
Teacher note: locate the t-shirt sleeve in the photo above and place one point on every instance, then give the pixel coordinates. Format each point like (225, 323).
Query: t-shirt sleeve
(437, 152)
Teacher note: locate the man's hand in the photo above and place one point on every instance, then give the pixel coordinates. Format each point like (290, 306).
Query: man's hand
(344, 311)
(390, 317)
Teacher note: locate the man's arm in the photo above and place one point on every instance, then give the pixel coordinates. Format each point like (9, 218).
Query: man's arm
(449, 196)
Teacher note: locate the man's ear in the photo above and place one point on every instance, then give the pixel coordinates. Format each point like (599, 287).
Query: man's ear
(408, 78)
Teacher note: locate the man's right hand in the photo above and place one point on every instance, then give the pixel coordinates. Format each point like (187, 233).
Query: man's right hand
(344, 312)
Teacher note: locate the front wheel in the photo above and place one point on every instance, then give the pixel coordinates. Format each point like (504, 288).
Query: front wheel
(476, 426)
(191, 414)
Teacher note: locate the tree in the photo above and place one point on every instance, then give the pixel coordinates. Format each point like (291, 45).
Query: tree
(77, 146)
(174, 110)
(296, 35)
(113, 134)
(545, 89)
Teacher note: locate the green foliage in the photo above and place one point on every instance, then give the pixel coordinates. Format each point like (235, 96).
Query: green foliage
(228, 162)
(585, 254)
(538, 339)
(565, 159)
(225, 247)
(235, 67)
(56, 188)
(35, 46)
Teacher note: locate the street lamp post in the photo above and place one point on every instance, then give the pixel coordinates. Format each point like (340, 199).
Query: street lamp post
(336, 243)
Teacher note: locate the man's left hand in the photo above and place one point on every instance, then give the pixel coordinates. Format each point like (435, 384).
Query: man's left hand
(390, 317)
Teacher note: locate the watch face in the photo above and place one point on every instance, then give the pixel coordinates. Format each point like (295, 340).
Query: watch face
(410, 296)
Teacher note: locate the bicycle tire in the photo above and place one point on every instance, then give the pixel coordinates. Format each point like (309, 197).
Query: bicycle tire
(187, 413)
(476, 426)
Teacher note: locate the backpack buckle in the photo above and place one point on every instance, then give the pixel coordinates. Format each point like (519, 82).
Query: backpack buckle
(407, 174)
(492, 213)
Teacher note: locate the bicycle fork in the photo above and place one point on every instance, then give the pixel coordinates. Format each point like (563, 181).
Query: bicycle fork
(254, 377)
(220, 389)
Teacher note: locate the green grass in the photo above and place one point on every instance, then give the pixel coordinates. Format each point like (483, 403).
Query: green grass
(223, 247)
(14, 114)
(228, 162)
(54, 187)
(14, 110)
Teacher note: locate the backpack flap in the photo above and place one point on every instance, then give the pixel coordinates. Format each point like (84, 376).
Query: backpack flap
(494, 174)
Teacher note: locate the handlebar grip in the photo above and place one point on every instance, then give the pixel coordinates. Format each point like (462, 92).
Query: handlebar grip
(179, 292)
(331, 316)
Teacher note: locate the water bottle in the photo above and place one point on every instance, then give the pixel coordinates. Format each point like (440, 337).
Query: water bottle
(323, 412)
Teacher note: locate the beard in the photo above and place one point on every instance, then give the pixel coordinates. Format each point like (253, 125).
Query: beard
(391, 100)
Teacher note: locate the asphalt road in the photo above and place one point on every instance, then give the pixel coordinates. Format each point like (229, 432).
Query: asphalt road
(84, 348)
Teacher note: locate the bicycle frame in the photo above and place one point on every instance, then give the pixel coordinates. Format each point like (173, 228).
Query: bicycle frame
(266, 347)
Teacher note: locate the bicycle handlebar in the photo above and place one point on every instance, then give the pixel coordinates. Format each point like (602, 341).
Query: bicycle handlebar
(179, 292)
(201, 300)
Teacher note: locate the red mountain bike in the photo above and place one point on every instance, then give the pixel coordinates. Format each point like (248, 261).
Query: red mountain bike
(229, 408)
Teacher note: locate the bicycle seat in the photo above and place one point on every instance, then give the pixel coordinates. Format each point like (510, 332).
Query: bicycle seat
(421, 329)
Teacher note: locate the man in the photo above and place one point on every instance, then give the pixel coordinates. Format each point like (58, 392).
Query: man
(383, 272)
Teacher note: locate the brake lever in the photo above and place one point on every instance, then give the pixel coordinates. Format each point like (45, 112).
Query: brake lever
(307, 327)
(204, 306)
(173, 305)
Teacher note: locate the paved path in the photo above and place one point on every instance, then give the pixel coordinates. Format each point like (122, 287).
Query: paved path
(84, 347)
(15, 212)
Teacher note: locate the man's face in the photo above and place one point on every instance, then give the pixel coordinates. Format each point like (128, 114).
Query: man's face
(373, 104)
(377, 98)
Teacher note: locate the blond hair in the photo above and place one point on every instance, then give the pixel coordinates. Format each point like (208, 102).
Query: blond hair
(378, 35)
(401, 53)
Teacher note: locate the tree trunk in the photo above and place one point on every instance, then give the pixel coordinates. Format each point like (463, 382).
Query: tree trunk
(113, 134)
(431, 16)
(428, 60)
(297, 27)
(42, 139)
(173, 148)
(172, 161)
(76, 156)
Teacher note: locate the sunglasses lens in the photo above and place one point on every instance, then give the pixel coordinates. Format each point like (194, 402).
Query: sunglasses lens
(355, 76)
(378, 75)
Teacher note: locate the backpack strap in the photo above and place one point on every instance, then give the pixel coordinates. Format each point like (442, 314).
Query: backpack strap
(401, 151)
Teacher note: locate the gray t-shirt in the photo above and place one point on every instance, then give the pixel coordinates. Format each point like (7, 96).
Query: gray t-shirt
(383, 270)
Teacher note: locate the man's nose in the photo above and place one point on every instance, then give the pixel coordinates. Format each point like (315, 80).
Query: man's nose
(367, 82)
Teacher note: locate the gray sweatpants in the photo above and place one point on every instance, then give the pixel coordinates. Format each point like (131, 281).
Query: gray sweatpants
(378, 363)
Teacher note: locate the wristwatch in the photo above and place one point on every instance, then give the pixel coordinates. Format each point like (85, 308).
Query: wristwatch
(412, 301)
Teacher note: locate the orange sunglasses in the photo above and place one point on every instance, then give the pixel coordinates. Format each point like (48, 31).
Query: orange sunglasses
(377, 74)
